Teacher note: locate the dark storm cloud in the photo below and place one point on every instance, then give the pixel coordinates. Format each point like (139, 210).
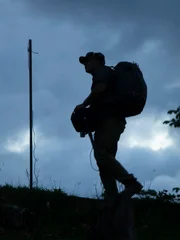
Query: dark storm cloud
(141, 19)
(135, 24)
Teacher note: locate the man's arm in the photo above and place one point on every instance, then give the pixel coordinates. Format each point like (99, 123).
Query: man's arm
(95, 94)
(102, 76)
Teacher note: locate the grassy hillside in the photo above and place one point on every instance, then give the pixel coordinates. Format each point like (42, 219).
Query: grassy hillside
(61, 216)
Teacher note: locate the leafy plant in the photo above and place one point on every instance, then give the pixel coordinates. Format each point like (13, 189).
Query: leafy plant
(175, 122)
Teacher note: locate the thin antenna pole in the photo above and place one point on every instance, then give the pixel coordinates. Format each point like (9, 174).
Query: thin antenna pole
(30, 117)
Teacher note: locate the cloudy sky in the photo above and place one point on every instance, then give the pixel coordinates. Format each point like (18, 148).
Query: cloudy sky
(143, 31)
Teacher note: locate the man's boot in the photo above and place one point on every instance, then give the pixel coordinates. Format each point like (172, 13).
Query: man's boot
(132, 187)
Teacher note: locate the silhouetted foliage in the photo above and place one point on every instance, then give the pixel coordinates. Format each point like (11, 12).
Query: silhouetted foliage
(175, 122)
(63, 216)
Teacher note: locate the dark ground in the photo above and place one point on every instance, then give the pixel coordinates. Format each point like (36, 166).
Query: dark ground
(59, 216)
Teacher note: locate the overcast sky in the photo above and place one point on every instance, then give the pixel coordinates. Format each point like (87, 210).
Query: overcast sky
(143, 31)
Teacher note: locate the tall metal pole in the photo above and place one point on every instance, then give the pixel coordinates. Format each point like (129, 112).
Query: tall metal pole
(30, 117)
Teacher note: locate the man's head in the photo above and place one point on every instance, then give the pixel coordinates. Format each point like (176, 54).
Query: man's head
(92, 60)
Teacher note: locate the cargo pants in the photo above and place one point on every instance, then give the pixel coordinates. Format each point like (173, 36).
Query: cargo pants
(106, 138)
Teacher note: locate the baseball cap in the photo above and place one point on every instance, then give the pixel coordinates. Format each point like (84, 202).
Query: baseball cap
(89, 55)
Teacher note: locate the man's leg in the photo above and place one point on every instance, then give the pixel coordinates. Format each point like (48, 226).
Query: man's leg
(106, 140)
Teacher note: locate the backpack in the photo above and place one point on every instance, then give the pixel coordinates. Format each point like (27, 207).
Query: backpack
(130, 89)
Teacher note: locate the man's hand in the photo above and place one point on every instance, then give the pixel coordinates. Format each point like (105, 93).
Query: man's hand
(78, 107)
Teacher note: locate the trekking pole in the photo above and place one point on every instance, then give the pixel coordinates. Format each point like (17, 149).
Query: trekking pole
(89, 133)
(82, 134)
(91, 138)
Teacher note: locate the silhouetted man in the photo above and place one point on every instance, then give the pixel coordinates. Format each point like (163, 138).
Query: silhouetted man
(110, 126)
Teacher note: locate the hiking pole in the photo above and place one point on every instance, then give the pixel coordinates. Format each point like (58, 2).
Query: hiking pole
(89, 133)
(82, 134)
(91, 138)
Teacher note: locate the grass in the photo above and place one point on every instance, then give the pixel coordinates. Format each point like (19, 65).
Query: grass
(62, 216)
